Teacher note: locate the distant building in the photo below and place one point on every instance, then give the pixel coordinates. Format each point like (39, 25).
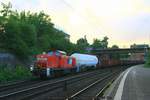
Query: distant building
(139, 46)
(138, 56)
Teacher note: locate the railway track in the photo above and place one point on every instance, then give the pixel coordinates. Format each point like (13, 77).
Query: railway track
(28, 93)
(94, 90)
(100, 94)
(74, 87)
(18, 84)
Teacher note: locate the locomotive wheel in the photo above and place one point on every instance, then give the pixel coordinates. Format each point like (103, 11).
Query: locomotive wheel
(73, 70)
(58, 73)
(44, 77)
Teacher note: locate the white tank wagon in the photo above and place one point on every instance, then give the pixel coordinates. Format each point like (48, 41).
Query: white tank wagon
(85, 60)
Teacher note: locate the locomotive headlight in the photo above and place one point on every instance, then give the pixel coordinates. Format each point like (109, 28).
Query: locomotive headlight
(31, 68)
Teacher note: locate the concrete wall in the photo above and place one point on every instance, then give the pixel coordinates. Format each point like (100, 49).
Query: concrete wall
(8, 59)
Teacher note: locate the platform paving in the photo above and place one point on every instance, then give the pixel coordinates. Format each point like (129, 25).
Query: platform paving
(134, 85)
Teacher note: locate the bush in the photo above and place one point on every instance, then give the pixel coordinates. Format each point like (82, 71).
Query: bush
(17, 73)
(147, 64)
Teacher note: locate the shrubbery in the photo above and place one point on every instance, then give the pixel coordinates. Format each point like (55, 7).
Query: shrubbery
(147, 64)
(17, 73)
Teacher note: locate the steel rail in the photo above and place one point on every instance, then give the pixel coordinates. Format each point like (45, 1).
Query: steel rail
(17, 85)
(64, 86)
(100, 93)
(43, 85)
(89, 86)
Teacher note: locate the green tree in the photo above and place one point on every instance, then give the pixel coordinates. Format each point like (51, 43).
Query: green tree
(96, 44)
(6, 11)
(115, 47)
(26, 33)
(115, 55)
(82, 44)
(11, 38)
(100, 44)
(147, 59)
(104, 42)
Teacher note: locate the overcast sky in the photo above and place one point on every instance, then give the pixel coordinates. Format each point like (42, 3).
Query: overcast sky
(124, 21)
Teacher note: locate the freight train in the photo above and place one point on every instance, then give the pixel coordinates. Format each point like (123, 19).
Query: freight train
(57, 62)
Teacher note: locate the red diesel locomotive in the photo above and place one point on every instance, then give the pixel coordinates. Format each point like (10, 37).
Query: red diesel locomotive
(47, 65)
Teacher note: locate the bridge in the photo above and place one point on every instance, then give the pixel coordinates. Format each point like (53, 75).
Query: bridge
(120, 51)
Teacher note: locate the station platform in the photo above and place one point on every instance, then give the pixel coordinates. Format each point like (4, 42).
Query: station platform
(132, 84)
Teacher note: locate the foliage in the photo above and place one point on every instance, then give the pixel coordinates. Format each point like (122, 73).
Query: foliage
(82, 44)
(10, 74)
(100, 44)
(115, 47)
(115, 55)
(26, 33)
(96, 44)
(147, 64)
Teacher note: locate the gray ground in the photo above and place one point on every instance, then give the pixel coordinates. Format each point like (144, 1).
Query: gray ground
(136, 86)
